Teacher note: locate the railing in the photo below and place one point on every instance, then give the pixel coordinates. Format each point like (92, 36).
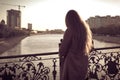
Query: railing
(104, 64)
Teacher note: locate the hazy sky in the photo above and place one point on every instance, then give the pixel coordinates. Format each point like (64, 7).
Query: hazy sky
(50, 14)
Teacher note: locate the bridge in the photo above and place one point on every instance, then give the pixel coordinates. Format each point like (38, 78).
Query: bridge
(104, 64)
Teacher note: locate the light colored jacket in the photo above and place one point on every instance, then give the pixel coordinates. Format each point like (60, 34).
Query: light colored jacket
(73, 63)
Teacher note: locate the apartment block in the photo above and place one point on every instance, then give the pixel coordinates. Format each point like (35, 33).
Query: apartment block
(29, 26)
(103, 21)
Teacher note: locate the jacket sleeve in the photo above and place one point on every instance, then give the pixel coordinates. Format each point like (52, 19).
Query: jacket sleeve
(65, 44)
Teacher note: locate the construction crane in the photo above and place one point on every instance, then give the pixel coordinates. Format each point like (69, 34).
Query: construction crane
(19, 6)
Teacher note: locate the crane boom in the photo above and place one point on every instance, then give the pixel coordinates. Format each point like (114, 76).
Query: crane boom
(19, 6)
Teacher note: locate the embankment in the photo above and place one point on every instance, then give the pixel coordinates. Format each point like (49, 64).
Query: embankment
(111, 39)
(6, 44)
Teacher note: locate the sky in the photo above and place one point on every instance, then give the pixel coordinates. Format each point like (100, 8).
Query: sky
(50, 14)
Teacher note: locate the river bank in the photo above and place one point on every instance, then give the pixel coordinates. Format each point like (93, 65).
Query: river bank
(111, 39)
(8, 43)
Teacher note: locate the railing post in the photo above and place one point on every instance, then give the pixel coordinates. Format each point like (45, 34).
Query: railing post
(54, 70)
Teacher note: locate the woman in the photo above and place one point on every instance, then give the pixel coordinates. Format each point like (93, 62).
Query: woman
(75, 48)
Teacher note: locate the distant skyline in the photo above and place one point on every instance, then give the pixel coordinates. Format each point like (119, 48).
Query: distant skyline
(50, 14)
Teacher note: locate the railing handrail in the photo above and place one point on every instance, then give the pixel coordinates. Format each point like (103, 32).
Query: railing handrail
(49, 53)
(107, 48)
(26, 55)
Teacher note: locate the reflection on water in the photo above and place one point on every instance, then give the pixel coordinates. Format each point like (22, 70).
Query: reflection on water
(40, 43)
(101, 44)
(14, 51)
(45, 43)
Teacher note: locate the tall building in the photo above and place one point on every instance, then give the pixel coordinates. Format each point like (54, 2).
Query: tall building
(14, 18)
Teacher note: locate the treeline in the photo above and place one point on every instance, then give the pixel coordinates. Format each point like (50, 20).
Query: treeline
(108, 30)
(55, 31)
(6, 32)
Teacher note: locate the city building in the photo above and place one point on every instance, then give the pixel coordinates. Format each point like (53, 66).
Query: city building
(14, 19)
(29, 26)
(104, 21)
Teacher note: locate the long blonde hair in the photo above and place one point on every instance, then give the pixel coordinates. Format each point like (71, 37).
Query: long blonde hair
(81, 31)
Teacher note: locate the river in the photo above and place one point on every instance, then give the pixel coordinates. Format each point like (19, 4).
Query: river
(45, 43)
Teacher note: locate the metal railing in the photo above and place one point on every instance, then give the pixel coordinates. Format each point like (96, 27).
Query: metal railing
(104, 64)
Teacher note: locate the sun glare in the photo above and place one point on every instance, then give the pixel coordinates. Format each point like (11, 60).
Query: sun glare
(50, 14)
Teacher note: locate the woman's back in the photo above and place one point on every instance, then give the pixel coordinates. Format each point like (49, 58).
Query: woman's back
(76, 44)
